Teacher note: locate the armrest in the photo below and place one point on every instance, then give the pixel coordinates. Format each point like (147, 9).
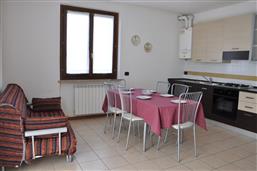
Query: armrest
(39, 123)
(45, 132)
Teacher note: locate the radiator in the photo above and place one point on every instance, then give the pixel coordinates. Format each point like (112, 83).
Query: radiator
(88, 99)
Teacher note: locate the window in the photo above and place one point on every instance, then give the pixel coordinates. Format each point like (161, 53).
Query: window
(88, 43)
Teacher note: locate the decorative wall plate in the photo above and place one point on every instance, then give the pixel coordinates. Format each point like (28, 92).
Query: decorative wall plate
(148, 47)
(135, 40)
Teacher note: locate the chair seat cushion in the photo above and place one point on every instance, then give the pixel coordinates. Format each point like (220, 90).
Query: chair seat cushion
(183, 125)
(134, 118)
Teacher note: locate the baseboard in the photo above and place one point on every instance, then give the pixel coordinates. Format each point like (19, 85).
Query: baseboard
(234, 129)
(87, 116)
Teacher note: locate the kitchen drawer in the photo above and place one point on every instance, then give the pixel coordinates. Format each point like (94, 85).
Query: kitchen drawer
(248, 97)
(247, 121)
(248, 107)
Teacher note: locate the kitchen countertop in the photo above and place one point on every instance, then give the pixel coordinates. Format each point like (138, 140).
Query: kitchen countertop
(215, 84)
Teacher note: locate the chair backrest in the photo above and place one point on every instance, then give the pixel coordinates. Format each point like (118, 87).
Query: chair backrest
(188, 111)
(109, 91)
(162, 87)
(122, 83)
(126, 102)
(177, 89)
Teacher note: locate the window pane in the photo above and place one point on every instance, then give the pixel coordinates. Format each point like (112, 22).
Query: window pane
(77, 43)
(103, 44)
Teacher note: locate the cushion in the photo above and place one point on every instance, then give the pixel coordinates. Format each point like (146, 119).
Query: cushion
(46, 104)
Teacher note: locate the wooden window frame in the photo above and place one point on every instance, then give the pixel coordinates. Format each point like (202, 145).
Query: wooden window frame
(63, 32)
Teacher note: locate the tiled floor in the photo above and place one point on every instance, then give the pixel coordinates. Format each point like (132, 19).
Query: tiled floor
(218, 148)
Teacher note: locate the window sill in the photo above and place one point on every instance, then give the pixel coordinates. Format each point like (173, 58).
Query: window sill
(86, 81)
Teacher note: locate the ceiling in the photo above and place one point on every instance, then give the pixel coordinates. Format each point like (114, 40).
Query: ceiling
(183, 6)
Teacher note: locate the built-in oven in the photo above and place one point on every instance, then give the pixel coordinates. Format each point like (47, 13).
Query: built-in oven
(225, 102)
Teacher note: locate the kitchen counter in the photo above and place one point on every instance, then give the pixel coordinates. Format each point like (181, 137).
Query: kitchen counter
(215, 84)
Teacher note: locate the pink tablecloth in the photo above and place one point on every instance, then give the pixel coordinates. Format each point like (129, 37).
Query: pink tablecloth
(157, 112)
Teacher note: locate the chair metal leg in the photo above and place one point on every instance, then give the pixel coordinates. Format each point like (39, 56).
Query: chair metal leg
(166, 135)
(69, 158)
(181, 136)
(3, 168)
(119, 128)
(134, 129)
(128, 135)
(194, 141)
(105, 125)
(114, 124)
(138, 128)
(144, 137)
(158, 143)
(178, 142)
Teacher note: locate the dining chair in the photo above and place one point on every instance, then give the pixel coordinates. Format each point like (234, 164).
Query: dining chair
(162, 87)
(127, 113)
(112, 108)
(122, 83)
(187, 112)
(176, 90)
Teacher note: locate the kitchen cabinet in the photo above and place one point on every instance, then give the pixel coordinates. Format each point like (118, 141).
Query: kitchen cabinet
(208, 42)
(238, 33)
(254, 48)
(199, 42)
(247, 111)
(210, 39)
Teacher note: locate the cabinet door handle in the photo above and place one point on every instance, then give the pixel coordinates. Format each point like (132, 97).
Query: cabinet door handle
(249, 97)
(248, 115)
(204, 88)
(248, 107)
(235, 48)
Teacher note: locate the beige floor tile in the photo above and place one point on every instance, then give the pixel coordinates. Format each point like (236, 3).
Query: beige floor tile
(178, 168)
(94, 165)
(198, 165)
(40, 164)
(114, 162)
(213, 161)
(85, 156)
(229, 167)
(134, 157)
(106, 152)
(228, 156)
(125, 168)
(165, 162)
(60, 164)
(146, 165)
(245, 164)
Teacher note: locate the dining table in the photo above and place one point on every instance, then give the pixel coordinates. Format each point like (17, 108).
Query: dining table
(158, 112)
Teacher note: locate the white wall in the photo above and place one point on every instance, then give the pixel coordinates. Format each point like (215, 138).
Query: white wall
(31, 46)
(235, 67)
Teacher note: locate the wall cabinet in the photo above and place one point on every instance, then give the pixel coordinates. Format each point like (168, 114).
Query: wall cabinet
(238, 33)
(254, 49)
(211, 38)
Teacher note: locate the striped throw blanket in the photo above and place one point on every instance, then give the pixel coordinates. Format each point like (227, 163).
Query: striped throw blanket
(16, 117)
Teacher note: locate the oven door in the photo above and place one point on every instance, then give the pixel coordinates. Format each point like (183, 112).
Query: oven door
(225, 106)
